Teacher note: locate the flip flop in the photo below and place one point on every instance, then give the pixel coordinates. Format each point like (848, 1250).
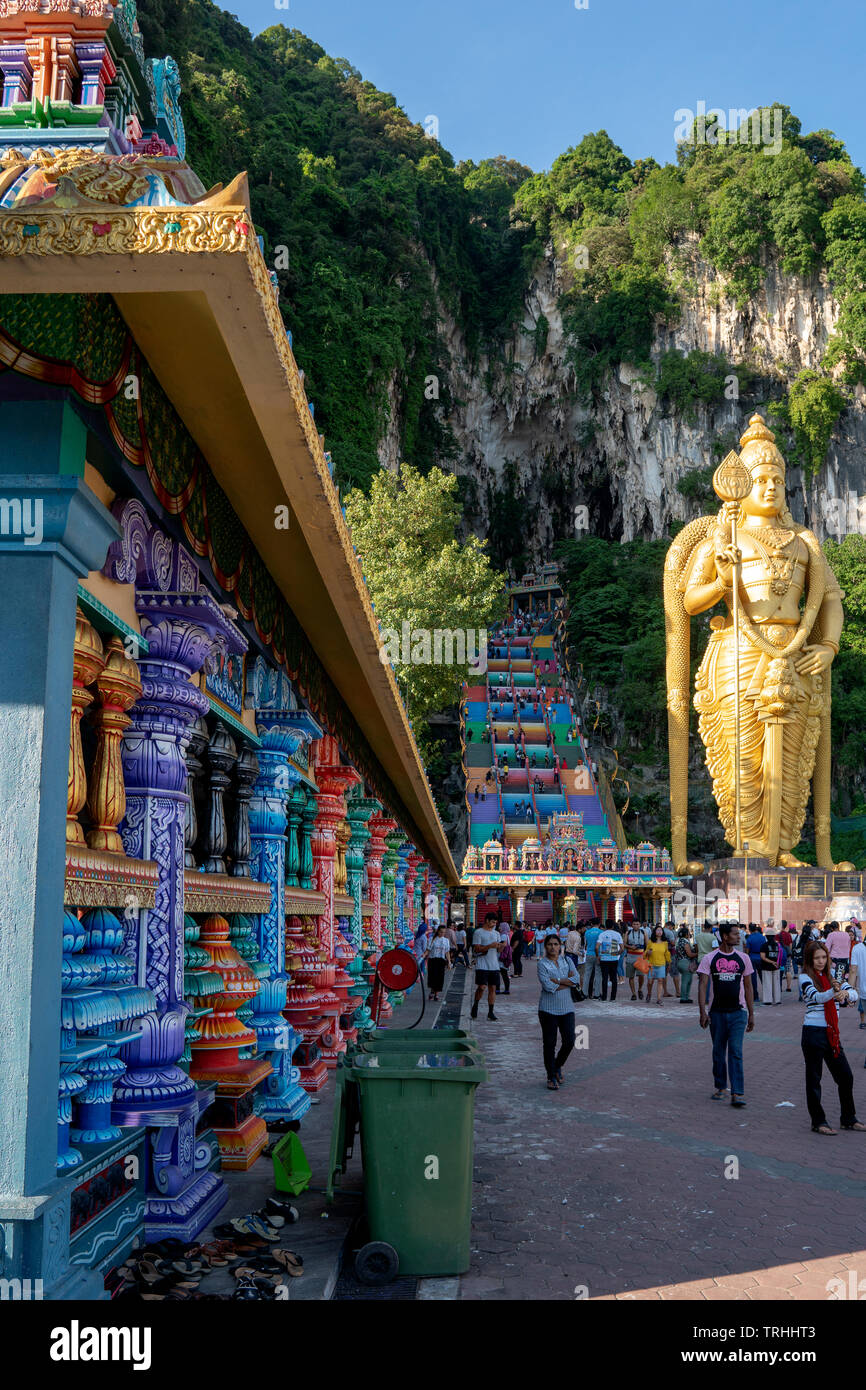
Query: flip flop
(289, 1261)
(250, 1226)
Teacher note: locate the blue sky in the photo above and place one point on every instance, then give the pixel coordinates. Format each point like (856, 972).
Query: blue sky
(528, 78)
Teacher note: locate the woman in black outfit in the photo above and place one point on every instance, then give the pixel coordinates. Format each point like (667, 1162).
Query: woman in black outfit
(821, 1042)
(517, 950)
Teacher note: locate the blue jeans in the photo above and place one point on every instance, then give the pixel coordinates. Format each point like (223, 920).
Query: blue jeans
(727, 1031)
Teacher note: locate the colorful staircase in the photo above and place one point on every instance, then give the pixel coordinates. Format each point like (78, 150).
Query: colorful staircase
(520, 719)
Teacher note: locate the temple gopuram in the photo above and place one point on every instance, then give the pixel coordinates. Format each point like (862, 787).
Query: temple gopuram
(216, 815)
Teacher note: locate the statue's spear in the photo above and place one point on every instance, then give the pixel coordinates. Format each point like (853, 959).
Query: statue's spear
(731, 483)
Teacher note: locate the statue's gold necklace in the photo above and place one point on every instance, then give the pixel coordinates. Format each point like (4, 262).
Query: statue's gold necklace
(772, 541)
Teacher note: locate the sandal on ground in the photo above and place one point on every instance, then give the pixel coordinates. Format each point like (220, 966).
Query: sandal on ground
(738, 1102)
(822, 1129)
(856, 1125)
(720, 1094)
(217, 1254)
(251, 1226)
(148, 1271)
(289, 1261)
(274, 1208)
(552, 1085)
(259, 1277)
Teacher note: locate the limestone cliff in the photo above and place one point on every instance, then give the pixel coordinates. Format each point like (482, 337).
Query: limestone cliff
(520, 427)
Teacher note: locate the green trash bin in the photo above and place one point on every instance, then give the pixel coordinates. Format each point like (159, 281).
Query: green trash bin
(417, 1116)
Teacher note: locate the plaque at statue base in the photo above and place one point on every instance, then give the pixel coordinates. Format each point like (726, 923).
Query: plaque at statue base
(749, 890)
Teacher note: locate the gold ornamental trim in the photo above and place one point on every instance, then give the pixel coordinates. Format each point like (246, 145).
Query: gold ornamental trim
(105, 230)
(221, 893)
(96, 878)
(301, 902)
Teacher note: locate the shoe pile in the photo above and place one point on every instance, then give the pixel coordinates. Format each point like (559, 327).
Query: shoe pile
(172, 1270)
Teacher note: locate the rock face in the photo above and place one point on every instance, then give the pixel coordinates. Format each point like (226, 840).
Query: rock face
(521, 429)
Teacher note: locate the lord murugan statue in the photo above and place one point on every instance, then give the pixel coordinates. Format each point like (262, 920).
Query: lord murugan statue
(762, 690)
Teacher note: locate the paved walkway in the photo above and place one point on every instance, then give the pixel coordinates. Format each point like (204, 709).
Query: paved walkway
(615, 1187)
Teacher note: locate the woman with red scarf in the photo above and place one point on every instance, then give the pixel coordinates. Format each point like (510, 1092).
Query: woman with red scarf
(821, 1042)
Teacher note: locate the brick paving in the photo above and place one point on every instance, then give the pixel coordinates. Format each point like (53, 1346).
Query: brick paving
(614, 1187)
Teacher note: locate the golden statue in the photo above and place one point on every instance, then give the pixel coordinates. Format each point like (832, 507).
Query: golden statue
(762, 691)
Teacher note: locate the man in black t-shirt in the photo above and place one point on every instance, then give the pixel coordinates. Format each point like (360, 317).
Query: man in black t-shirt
(725, 984)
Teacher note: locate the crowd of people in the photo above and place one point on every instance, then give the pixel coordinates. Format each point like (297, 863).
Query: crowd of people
(737, 966)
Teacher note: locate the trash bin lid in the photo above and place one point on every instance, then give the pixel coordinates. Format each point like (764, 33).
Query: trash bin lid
(448, 1066)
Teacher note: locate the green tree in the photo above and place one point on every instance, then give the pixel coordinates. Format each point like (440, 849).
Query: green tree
(419, 572)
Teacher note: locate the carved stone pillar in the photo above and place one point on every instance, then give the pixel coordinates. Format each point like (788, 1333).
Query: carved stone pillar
(196, 745)
(119, 686)
(412, 864)
(87, 661)
(222, 755)
(309, 811)
(282, 730)
(240, 847)
(65, 68)
(333, 779)
(380, 825)
(420, 892)
(17, 73)
(358, 811)
(393, 842)
(184, 627)
(471, 895)
(341, 882)
(295, 804)
(400, 891)
(97, 69)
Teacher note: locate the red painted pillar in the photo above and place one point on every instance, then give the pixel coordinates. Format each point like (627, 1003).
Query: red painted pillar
(411, 873)
(379, 826)
(333, 780)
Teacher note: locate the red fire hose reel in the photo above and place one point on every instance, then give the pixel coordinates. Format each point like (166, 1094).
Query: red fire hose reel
(395, 970)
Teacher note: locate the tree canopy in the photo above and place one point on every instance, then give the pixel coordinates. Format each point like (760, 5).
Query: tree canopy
(420, 574)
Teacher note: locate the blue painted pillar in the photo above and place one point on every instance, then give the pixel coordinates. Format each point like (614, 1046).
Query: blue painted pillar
(53, 531)
(400, 888)
(282, 729)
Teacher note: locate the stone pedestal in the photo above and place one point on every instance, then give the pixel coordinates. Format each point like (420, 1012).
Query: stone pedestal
(748, 890)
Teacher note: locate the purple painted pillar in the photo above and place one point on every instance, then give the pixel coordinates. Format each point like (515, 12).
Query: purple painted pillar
(183, 626)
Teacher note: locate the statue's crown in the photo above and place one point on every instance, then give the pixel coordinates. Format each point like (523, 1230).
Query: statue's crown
(758, 445)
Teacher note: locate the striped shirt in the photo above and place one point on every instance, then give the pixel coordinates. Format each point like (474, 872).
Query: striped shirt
(815, 999)
(551, 973)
